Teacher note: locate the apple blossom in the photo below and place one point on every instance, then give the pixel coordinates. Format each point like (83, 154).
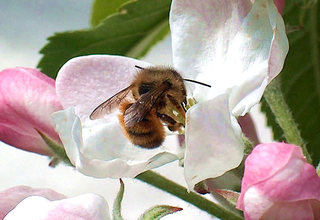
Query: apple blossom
(87, 206)
(27, 99)
(11, 197)
(98, 147)
(238, 47)
(278, 183)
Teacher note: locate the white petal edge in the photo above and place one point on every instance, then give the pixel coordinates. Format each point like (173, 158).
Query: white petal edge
(213, 141)
(256, 203)
(100, 156)
(266, 26)
(88, 206)
(235, 46)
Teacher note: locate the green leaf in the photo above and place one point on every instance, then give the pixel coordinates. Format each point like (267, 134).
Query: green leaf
(158, 212)
(230, 195)
(116, 212)
(103, 8)
(300, 77)
(58, 150)
(130, 32)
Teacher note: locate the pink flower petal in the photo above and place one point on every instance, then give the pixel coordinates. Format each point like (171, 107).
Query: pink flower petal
(27, 99)
(281, 166)
(11, 197)
(280, 5)
(277, 175)
(87, 206)
(85, 82)
(248, 128)
(301, 210)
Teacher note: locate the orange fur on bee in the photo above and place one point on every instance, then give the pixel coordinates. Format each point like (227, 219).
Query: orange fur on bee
(148, 133)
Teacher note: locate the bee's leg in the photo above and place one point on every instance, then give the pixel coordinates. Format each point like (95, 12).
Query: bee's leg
(184, 106)
(178, 106)
(170, 122)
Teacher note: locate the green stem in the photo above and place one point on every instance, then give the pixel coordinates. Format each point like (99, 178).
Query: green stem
(116, 211)
(58, 150)
(318, 169)
(181, 192)
(280, 109)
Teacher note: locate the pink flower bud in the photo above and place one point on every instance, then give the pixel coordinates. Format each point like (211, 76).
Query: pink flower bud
(27, 99)
(44, 204)
(278, 183)
(10, 198)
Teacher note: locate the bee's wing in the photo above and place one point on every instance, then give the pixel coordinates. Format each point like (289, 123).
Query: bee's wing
(110, 104)
(138, 110)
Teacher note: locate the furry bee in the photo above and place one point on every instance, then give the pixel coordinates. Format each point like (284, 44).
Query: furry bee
(148, 104)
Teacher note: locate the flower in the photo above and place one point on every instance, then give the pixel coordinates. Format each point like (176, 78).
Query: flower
(235, 46)
(98, 147)
(278, 183)
(26, 203)
(27, 99)
(10, 198)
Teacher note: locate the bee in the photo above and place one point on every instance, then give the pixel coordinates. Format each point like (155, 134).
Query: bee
(153, 100)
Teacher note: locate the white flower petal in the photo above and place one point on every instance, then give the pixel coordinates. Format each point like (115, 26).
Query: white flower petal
(232, 45)
(100, 149)
(256, 203)
(213, 140)
(264, 56)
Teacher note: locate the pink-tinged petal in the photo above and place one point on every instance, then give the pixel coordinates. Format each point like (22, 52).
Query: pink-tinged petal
(87, 206)
(85, 82)
(280, 5)
(258, 206)
(259, 161)
(213, 140)
(100, 149)
(197, 30)
(301, 210)
(277, 175)
(27, 99)
(281, 166)
(235, 46)
(11, 197)
(248, 128)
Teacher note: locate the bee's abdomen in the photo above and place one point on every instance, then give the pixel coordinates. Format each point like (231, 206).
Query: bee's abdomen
(148, 133)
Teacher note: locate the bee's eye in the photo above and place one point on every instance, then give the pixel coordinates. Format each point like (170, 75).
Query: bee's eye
(144, 89)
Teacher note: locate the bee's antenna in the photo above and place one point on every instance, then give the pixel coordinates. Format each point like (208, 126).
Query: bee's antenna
(139, 67)
(201, 83)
